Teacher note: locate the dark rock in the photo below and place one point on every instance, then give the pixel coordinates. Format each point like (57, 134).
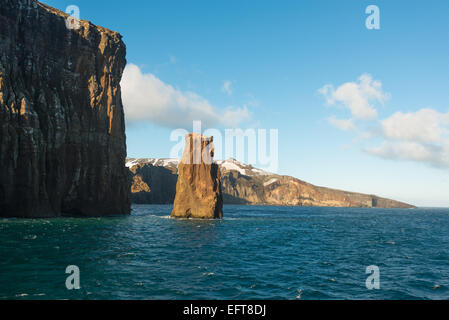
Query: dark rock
(62, 130)
(153, 184)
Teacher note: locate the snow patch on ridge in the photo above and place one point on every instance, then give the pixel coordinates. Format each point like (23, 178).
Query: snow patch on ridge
(226, 165)
(232, 165)
(271, 181)
(132, 163)
(153, 161)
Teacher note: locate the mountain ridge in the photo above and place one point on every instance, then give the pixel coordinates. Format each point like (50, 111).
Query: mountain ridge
(245, 184)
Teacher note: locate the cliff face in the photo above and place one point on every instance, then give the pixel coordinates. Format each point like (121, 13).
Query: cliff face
(244, 184)
(198, 189)
(62, 131)
(289, 191)
(154, 181)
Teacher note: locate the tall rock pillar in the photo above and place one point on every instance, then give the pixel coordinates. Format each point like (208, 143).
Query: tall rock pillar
(198, 190)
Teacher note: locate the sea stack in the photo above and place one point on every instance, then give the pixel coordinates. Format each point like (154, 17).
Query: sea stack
(62, 128)
(198, 190)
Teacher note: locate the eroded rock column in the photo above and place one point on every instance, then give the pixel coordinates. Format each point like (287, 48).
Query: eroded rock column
(198, 190)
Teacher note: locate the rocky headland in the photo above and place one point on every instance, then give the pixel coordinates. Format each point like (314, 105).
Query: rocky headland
(244, 184)
(62, 129)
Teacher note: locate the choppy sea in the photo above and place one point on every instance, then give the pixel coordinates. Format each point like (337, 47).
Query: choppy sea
(255, 252)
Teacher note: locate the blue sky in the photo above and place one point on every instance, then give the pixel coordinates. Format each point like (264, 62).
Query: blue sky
(275, 56)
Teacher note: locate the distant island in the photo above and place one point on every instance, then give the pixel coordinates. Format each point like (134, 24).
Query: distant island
(154, 182)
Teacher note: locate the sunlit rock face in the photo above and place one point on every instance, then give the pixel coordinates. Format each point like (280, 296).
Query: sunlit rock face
(244, 184)
(198, 189)
(62, 130)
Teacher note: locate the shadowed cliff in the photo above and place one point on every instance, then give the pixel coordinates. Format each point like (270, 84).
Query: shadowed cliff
(62, 134)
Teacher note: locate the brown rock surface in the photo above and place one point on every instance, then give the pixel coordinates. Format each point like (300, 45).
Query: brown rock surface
(159, 176)
(244, 184)
(198, 189)
(62, 130)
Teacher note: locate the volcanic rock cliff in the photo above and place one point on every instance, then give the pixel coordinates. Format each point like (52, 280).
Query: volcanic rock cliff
(198, 189)
(62, 130)
(244, 184)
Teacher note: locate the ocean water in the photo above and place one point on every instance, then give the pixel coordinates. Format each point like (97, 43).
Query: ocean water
(255, 252)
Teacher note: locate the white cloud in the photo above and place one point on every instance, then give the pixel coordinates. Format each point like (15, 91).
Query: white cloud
(147, 98)
(420, 136)
(227, 87)
(342, 124)
(425, 125)
(435, 155)
(358, 97)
